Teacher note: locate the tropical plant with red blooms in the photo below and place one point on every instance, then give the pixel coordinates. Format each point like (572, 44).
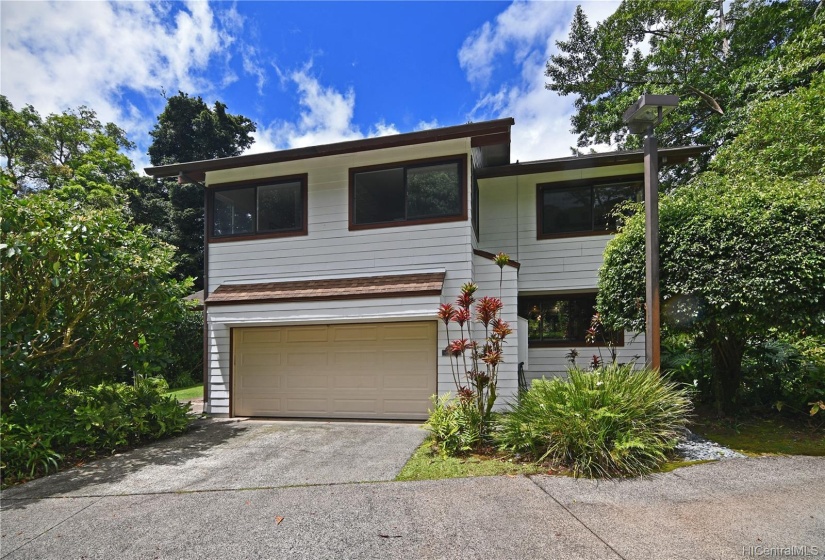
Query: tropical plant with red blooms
(479, 361)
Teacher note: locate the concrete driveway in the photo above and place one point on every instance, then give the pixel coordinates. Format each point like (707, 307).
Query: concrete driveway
(286, 489)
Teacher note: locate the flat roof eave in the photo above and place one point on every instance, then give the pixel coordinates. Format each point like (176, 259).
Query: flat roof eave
(667, 156)
(482, 134)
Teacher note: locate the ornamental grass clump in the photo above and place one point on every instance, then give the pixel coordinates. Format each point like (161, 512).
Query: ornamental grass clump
(612, 421)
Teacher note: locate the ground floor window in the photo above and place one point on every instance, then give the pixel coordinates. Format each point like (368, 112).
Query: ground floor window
(562, 320)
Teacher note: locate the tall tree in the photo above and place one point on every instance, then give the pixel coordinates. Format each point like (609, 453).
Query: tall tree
(189, 130)
(72, 152)
(743, 248)
(717, 62)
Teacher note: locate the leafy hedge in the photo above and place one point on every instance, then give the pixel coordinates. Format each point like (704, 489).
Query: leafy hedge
(40, 434)
(613, 421)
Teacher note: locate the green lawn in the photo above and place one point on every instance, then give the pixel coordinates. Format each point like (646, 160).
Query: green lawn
(775, 434)
(188, 393)
(425, 465)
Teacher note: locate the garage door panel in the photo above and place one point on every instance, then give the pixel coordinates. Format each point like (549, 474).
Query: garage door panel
(307, 334)
(307, 382)
(250, 358)
(354, 333)
(361, 406)
(348, 358)
(267, 336)
(397, 382)
(405, 407)
(307, 359)
(315, 406)
(355, 381)
(407, 331)
(377, 370)
(264, 381)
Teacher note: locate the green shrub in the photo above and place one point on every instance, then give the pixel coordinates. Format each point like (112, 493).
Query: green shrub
(612, 421)
(40, 434)
(454, 425)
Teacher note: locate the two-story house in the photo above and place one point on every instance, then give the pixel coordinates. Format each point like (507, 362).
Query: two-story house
(325, 266)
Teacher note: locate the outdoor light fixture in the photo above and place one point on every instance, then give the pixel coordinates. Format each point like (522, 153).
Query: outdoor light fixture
(641, 118)
(649, 111)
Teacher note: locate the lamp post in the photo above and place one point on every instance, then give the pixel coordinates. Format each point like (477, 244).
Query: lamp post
(641, 118)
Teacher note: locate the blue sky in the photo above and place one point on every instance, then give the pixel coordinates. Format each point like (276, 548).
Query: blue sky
(306, 72)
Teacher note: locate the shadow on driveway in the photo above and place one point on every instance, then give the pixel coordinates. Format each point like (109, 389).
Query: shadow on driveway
(233, 455)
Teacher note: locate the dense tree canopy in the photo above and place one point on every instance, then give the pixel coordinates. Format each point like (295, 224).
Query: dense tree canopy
(71, 152)
(742, 246)
(187, 130)
(81, 287)
(718, 63)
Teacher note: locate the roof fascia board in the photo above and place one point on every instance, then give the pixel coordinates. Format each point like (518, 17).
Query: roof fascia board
(196, 170)
(667, 156)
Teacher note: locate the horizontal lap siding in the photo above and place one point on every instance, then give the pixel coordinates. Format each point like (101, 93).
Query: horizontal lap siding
(551, 362)
(331, 250)
(508, 223)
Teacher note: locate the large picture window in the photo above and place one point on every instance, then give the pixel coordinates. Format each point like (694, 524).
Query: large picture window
(582, 208)
(561, 320)
(415, 192)
(263, 208)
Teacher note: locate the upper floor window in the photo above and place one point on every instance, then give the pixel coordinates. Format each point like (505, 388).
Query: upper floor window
(582, 207)
(268, 208)
(408, 193)
(562, 320)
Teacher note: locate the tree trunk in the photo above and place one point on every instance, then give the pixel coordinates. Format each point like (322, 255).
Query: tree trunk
(726, 360)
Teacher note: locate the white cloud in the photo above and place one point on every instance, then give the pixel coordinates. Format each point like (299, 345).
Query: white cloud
(427, 125)
(59, 55)
(527, 33)
(326, 116)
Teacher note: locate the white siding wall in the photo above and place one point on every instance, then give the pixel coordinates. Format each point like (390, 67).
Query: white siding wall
(550, 362)
(508, 222)
(331, 250)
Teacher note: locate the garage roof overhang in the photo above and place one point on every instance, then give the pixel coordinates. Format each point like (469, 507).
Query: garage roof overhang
(399, 285)
(491, 139)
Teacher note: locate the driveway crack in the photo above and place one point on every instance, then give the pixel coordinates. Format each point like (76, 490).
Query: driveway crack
(28, 542)
(573, 515)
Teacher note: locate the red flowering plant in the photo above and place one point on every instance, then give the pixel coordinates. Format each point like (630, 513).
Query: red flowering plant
(475, 363)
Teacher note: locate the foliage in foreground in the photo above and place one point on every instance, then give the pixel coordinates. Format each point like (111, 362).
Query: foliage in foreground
(461, 424)
(40, 435)
(86, 297)
(613, 421)
(454, 425)
(742, 245)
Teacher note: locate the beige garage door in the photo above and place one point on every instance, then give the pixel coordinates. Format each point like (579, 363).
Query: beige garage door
(373, 370)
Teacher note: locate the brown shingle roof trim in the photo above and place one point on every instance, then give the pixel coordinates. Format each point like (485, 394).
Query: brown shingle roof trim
(406, 285)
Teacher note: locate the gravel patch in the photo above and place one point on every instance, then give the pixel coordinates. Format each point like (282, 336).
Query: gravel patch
(695, 448)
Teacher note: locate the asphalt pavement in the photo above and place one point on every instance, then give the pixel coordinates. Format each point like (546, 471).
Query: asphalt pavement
(324, 490)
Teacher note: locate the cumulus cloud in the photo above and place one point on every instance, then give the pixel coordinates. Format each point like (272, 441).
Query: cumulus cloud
(525, 34)
(326, 116)
(59, 55)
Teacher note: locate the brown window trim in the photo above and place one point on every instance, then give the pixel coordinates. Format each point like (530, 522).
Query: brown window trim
(619, 343)
(461, 158)
(577, 183)
(303, 178)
